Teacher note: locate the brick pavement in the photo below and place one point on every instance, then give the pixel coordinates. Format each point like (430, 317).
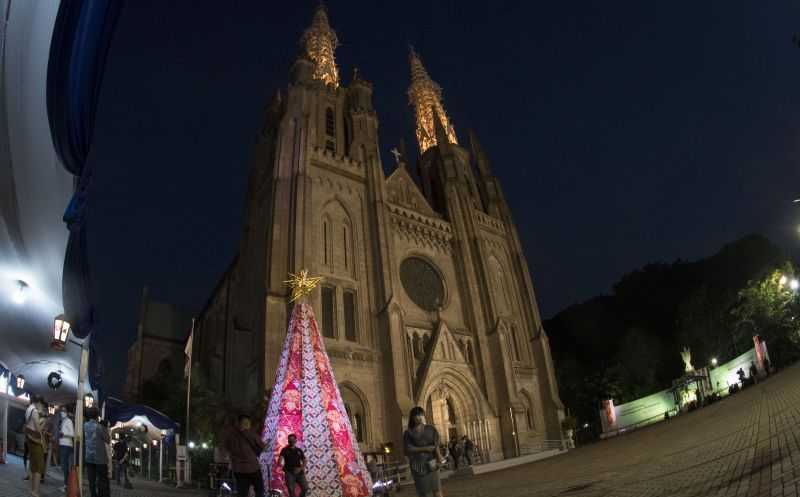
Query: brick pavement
(12, 485)
(747, 445)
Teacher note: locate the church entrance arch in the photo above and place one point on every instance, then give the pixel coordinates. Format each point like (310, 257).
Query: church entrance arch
(452, 404)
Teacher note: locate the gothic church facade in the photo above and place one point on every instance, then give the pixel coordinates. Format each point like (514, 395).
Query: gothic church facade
(427, 298)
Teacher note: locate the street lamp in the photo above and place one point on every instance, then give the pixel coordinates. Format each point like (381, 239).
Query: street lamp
(714, 361)
(782, 281)
(794, 284)
(161, 456)
(61, 329)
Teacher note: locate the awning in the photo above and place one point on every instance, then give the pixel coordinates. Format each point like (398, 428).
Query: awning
(121, 415)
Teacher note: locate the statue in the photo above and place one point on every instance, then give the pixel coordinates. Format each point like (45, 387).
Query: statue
(686, 355)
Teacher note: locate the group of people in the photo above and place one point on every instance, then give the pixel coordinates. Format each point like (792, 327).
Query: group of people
(47, 436)
(244, 448)
(421, 443)
(459, 449)
(47, 439)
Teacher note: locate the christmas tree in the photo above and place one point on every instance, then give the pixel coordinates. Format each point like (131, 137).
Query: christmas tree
(306, 402)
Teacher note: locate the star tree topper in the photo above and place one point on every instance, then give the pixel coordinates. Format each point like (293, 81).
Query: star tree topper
(301, 284)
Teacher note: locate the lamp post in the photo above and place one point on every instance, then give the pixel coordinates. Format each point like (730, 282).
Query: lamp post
(161, 456)
(149, 459)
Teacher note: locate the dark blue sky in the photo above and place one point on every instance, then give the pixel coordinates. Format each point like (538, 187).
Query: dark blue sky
(623, 132)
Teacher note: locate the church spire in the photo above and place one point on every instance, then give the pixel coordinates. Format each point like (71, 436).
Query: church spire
(426, 97)
(320, 43)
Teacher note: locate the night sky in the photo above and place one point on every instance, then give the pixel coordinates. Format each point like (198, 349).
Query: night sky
(622, 132)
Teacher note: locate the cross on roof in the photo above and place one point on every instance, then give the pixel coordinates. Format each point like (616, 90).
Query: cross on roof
(396, 154)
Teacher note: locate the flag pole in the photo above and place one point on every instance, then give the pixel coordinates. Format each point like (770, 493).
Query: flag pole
(187, 472)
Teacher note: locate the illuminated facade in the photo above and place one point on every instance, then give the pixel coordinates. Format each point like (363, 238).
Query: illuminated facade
(320, 43)
(426, 299)
(426, 98)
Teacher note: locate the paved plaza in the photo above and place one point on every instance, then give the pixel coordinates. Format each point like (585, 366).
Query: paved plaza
(12, 485)
(745, 445)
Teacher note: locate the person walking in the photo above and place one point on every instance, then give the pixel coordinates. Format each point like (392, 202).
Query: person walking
(244, 448)
(25, 450)
(95, 438)
(469, 449)
(452, 448)
(121, 462)
(66, 438)
(36, 440)
(294, 467)
(421, 444)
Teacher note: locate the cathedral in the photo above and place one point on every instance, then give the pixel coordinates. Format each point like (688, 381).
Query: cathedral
(426, 299)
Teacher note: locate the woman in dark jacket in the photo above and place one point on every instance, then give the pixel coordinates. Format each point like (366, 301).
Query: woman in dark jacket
(421, 443)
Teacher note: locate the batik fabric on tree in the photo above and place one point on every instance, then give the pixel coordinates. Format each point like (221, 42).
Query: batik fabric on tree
(306, 402)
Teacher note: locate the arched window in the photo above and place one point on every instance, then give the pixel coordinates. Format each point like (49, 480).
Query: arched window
(326, 256)
(330, 130)
(350, 332)
(529, 420)
(328, 312)
(346, 248)
(500, 288)
(356, 411)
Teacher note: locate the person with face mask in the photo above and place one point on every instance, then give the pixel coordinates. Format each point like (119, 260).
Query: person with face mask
(421, 443)
(66, 437)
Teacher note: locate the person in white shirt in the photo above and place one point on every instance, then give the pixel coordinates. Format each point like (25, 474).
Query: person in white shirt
(66, 442)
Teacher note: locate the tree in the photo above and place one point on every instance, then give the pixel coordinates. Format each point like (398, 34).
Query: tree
(627, 344)
(768, 307)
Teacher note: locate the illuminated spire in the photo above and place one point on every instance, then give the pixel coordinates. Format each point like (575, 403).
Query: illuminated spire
(320, 44)
(426, 97)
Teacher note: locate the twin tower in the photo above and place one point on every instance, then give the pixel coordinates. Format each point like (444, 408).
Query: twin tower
(427, 298)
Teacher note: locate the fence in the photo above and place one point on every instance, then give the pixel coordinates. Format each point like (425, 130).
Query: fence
(641, 424)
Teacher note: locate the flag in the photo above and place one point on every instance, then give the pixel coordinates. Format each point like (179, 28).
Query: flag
(187, 367)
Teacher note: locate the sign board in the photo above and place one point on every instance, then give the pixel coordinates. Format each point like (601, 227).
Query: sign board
(181, 452)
